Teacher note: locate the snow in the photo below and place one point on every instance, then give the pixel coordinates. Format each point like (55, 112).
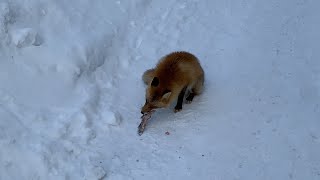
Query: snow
(112, 118)
(24, 37)
(71, 90)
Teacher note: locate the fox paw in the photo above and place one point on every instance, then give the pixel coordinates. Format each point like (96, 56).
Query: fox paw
(177, 109)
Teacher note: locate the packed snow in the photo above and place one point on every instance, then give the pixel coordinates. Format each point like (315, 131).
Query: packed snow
(71, 90)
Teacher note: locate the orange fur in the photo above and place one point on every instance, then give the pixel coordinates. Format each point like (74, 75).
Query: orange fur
(174, 73)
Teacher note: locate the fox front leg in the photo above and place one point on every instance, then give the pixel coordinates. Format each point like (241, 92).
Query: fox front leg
(180, 100)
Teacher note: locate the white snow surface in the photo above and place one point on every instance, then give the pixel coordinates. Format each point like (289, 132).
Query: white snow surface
(71, 90)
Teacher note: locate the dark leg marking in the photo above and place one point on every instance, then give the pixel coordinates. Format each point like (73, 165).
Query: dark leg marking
(180, 100)
(190, 97)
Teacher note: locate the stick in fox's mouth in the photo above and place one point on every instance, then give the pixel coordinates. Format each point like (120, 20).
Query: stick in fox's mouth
(144, 119)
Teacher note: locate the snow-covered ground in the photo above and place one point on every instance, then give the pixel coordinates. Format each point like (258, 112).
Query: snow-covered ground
(71, 90)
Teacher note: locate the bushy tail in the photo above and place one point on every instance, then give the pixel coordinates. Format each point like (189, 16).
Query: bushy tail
(148, 76)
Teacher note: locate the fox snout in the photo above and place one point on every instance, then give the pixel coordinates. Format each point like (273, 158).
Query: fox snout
(146, 108)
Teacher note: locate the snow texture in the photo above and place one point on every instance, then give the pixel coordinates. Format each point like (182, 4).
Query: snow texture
(71, 90)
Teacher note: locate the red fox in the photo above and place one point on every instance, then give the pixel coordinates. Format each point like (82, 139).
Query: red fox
(174, 75)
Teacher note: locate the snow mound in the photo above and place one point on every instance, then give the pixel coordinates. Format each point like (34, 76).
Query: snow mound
(25, 37)
(112, 118)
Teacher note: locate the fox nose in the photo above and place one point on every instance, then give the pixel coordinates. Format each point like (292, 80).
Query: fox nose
(142, 112)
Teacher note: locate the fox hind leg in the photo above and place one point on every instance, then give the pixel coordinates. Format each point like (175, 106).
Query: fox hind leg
(196, 89)
(190, 97)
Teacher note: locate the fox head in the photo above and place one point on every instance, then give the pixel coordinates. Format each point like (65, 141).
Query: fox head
(157, 96)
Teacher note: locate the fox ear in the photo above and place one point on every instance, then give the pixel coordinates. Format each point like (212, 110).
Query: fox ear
(155, 82)
(166, 95)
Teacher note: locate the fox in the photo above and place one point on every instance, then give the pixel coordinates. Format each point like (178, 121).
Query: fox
(176, 74)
